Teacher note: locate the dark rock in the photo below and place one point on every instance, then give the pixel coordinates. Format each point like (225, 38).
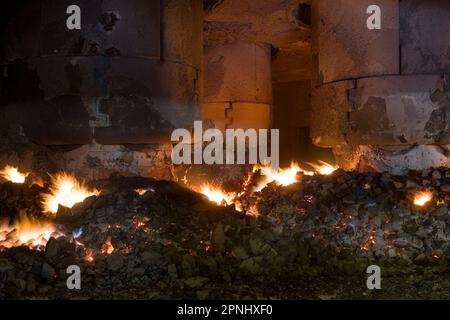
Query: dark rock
(47, 271)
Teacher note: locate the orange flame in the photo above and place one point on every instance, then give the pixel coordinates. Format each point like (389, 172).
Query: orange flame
(323, 167)
(217, 195)
(422, 198)
(283, 177)
(65, 191)
(288, 176)
(12, 174)
(28, 232)
(140, 191)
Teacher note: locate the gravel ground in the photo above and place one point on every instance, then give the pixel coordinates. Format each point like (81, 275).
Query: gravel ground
(147, 239)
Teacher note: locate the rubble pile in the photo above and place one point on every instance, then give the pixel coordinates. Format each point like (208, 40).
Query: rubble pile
(368, 215)
(142, 238)
(16, 198)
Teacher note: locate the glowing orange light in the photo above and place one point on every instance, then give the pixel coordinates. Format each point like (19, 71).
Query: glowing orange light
(12, 174)
(323, 167)
(28, 232)
(217, 195)
(281, 176)
(65, 191)
(89, 256)
(422, 198)
(107, 248)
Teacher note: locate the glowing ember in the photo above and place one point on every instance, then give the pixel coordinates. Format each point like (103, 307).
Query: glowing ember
(12, 174)
(142, 191)
(65, 191)
(217, 195)
(107, 248)
(141, 223)
(323, 168)
(422, 198)
(253, 211)
(89, 256)
(28, 232)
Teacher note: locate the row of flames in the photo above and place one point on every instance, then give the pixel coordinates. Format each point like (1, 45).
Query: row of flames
(285, 177)
(66, 190)
(282, 176)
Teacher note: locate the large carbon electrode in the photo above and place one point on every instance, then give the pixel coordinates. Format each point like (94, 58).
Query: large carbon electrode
(385, 87)
(130, 75)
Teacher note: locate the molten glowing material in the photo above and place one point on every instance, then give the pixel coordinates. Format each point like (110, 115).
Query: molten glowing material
(217, 195)
(422, 198)
(65, 191)
(27, 232)
(323, 168)
(12, 174)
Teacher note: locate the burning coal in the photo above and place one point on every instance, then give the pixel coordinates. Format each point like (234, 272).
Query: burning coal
(107, 247)
(422, 198)
(13, 174)
(28, 232)
(288, 176)
(66, 190)
(281, 176)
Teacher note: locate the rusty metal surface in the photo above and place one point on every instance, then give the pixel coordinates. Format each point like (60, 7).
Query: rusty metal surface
(345, 48)
(57, 119)
(238, 115)
(425, 36)
(387, 106)
(392, 110)
(277, 22)
(182, 32)
(115, 81)
(108, 28)
(401, 110)
(238, 72)
(126, 100)
(238, 86)
(173, 88)
(329, 113)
